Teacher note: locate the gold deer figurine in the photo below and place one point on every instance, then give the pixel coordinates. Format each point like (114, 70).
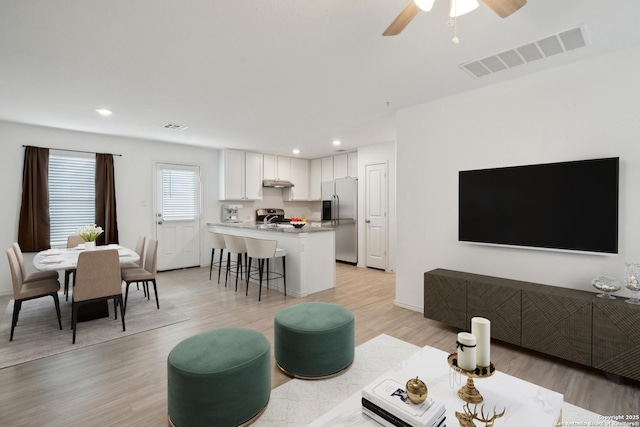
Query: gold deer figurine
(466, 419)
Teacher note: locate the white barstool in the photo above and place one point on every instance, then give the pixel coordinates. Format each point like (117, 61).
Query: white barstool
(217, 242)
(264, 250)
(234, 245)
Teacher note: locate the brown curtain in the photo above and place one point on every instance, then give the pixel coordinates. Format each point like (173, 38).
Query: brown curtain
(106, 199)
(34, 225)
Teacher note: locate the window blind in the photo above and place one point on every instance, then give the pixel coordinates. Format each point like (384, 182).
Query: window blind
(72, 195)
(179, 201)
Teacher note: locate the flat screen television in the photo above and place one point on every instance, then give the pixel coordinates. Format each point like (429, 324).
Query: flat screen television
(568, 206)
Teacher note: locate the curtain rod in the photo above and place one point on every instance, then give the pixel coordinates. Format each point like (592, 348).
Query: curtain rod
(75, 151)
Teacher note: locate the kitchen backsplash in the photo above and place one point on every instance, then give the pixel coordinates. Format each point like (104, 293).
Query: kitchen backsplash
(272, 198)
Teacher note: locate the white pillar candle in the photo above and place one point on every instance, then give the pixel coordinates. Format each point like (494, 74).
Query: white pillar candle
(466, 351)
(481, 329)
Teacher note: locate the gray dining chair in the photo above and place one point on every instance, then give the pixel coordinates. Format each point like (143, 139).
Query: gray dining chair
(97, 278)
(27, 291)
(35, 275)
(144, 275)
(72, 242)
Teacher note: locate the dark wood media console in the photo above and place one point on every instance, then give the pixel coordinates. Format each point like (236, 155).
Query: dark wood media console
(566, 323)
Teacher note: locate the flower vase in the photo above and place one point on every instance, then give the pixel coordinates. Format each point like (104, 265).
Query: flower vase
(632, 281)
(89, 246)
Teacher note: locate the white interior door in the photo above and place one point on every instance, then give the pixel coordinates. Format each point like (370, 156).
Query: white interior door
(376, 215)
(177, 216)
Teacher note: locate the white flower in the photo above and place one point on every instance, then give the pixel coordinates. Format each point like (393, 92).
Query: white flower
(89, 233)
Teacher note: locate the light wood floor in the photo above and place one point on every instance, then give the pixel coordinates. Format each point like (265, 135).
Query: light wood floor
(123, 382)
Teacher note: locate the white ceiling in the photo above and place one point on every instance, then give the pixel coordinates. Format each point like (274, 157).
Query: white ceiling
(266, 75)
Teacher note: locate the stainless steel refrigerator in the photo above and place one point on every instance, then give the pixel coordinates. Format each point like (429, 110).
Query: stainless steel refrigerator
(340, 211)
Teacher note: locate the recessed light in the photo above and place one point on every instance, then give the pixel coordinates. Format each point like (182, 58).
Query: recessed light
(104, 111)
(337, 142)
(296, 151)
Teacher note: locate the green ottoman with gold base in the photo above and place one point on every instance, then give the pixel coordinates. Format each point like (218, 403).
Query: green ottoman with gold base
(219, 378)
(314, 339)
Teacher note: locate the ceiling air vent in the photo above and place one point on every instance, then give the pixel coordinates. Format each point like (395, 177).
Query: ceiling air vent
(549, 46)
(174, 126)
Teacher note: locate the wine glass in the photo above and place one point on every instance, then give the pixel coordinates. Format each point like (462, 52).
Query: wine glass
(632, 282)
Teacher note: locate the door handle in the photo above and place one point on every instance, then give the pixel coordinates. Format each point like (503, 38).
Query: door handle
(368, 221)
(160, 222)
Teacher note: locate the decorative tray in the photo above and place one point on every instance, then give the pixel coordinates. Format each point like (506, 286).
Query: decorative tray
(480, 371)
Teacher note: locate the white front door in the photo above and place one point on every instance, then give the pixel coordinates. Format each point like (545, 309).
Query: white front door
(177, 216)
(376, 215)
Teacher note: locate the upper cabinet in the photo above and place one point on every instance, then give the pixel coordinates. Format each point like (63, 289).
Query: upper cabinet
(353, 164)
(300, 180)
(327, 169)
(315, 179)
(345, 166)
(240, 175)
(253, 176)
(277, 168)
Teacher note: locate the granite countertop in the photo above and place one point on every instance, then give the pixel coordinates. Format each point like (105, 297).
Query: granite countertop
(278, 229)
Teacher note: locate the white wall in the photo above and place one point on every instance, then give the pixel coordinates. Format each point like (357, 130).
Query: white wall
(134, 175)
(585, 110)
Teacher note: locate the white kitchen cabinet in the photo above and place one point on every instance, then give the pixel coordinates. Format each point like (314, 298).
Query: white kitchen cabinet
(284, 168)
(276, 167)
(345, 166)
(315, 179)
(327, 169)
(300, 179)
(240, 175)
(270, 166)
(353, 164)
(253, 176)
(340, 166)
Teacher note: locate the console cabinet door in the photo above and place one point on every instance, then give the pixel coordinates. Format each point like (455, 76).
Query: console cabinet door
(445, 298)
(616, 338)
(500, 304)
(557, 325)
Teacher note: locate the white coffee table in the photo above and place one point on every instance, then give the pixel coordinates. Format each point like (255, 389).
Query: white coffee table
(526, 404)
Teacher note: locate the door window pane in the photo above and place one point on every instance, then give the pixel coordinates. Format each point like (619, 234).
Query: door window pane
(179, 201)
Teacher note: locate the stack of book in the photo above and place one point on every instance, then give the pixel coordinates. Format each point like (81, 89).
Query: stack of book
(386, 402)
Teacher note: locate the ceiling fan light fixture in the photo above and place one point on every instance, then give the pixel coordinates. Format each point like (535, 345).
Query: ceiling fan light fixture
(425, 5)
(460, 7)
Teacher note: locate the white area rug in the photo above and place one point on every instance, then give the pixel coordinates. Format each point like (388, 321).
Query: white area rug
(37, 334)
(298, 402)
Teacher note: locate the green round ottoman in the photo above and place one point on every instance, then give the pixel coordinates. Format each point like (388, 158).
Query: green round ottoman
(219, 378)
(314, 340)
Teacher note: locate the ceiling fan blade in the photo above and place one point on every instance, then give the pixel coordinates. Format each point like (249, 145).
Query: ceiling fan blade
(505, 8)
(402, 20)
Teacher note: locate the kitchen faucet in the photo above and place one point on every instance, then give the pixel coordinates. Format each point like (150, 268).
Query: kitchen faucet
(268, 218)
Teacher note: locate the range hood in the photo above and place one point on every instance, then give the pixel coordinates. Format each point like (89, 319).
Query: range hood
(277, 183)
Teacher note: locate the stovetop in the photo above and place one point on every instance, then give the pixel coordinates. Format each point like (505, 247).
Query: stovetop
(273, 215)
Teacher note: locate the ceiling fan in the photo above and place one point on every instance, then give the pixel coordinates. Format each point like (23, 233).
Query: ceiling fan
(503, 8)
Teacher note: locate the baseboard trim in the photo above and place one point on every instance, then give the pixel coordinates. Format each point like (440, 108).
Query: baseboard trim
(408, 306)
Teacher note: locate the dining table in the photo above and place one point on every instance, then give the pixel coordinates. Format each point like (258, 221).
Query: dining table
(67, 258)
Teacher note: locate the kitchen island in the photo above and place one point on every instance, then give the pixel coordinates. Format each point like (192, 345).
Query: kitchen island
(310, 250)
